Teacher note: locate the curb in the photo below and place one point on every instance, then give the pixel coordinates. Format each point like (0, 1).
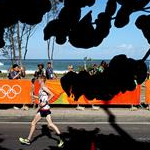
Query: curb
(72, 115)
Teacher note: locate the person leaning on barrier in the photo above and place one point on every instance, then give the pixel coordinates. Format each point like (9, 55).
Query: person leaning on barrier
(22, 71)
(17, 72)
(14, 72)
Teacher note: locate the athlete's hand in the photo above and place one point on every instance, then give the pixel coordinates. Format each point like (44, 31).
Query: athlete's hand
(34, 96)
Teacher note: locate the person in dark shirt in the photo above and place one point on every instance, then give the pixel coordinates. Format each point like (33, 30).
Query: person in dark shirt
(49, 71)
(40, 70)
(33, 88)
(15, 73)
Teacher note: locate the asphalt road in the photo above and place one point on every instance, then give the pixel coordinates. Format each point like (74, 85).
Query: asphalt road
(78, 136)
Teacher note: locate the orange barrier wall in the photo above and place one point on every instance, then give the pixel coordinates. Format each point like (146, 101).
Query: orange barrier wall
(147, 91)
(18, 92)
(129, 97)
(15, 91)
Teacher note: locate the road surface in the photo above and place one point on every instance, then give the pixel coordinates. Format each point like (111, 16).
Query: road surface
(78, 136)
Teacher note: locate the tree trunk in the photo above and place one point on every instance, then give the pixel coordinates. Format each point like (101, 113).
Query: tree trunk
(19, 42)
(52, 54)
(12, 44)
(27, 41)
(48, 48)
(28, 34)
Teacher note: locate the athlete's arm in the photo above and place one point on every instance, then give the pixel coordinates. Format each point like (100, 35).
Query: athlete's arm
(50, 94)
(32, 94)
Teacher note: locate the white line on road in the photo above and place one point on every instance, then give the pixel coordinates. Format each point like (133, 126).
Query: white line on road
(82, 123)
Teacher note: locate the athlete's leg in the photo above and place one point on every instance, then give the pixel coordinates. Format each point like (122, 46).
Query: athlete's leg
(52, 125)
(33, 125)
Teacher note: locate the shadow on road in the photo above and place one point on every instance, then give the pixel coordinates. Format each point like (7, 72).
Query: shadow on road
(81, 139)
(1, 141)
(45, 131)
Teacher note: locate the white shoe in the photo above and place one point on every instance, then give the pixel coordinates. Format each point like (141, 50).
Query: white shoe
(16, 108)
(80, 108)
(25, 108)
(95, 107)
(133, 108)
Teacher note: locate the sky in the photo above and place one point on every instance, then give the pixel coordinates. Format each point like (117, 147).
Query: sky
(127, 40)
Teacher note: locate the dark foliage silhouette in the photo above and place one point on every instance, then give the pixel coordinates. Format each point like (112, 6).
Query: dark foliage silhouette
(81, 139)
(26, 11)
(121, 75)
(143, 23)
(81, 32)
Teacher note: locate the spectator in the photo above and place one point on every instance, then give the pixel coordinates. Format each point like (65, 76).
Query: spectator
(0, 72)
(35, 77)
(148, 75)
(33, 88)
(94, 69)
(70, 68)
(49, 72)
(102, 66)
(40, 70)
(22, 70)
(14, 72)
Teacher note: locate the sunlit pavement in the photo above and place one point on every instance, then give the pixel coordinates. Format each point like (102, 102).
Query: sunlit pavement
(73, 115)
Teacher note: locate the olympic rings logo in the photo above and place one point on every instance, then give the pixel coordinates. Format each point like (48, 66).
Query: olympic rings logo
(10, 92)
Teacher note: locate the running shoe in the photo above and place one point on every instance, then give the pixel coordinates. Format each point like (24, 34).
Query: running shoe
(24, 141)
(61, 143)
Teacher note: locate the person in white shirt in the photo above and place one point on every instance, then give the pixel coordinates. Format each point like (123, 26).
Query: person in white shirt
(44, 111)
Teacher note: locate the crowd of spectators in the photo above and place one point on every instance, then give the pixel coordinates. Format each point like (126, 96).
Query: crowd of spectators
(96, 69)
(18, 72)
